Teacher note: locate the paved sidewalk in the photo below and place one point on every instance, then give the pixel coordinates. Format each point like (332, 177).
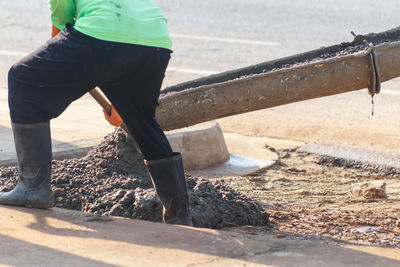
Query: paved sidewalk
(58, 237)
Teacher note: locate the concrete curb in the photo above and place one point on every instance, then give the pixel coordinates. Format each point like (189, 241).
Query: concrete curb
(248, 154)
(202, 145)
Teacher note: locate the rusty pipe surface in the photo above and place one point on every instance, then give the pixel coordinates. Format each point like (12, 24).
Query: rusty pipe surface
(277, 87)
(392, 34)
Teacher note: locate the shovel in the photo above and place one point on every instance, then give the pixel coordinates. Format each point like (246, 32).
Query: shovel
(105, 104)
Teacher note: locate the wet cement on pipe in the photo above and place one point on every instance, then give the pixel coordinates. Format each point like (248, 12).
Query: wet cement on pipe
(334, 51)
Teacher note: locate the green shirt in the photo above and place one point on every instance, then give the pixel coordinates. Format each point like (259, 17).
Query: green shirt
(125, 21)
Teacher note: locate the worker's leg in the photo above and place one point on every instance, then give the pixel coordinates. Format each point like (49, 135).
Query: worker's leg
(168, 178)
(41, 86)
(33, 147)
(135, 97)
(44, 83)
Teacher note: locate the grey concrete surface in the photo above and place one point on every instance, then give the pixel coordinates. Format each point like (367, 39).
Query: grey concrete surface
(58, 237)
(248, 154)
(202, 146)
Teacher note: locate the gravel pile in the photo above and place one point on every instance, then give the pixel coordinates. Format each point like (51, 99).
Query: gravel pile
(112, 180)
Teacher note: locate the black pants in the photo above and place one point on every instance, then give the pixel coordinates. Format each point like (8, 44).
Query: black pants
(44, 83)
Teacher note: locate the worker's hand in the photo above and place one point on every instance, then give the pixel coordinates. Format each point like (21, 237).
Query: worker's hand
(54, 31)
(114, 119)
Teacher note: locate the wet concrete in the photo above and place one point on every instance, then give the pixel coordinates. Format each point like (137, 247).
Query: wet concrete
(112, 179)
(359, 44)
(248, 154)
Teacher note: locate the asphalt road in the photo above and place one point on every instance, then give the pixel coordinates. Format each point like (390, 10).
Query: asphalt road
(211, 36)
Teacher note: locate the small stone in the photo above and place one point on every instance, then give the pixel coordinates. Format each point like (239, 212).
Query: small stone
(369, 190)
(116, 210)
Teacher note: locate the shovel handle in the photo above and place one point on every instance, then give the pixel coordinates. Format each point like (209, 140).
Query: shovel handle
(105, 104)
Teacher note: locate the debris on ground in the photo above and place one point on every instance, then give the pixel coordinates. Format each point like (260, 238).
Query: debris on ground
(315, 203)
(369, 190)
(112, 180)
(303, 196)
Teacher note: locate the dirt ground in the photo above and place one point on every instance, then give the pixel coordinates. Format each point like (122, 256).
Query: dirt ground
(308, 197)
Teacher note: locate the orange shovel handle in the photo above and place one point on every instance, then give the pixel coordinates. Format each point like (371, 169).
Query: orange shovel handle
(109, 111)
(54, 31)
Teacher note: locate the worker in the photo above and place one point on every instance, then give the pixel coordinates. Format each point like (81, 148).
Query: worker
(121, 46)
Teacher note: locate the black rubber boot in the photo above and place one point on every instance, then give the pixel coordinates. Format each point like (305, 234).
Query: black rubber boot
(33, 147)
(168, 178)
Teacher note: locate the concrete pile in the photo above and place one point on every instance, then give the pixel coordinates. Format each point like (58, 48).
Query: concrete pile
(112, 180)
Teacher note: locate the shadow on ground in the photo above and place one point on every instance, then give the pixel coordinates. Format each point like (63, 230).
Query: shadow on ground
(68, 237)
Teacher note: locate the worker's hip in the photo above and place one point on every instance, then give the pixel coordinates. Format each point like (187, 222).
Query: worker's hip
(72, 58)
(46, 81)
